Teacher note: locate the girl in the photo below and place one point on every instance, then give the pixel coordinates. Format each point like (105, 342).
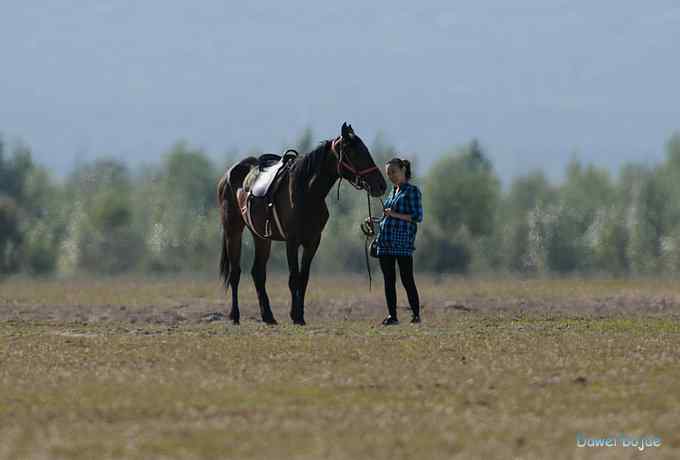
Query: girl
(402, 210)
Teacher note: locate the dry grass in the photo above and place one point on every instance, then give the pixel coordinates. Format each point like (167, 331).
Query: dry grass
(500, 369)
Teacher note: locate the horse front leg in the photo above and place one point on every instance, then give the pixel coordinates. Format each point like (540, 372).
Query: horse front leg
(308, 252)
(296, 313)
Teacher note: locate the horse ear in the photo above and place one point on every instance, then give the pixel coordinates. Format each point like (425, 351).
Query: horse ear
(350, 129)
(345, 130)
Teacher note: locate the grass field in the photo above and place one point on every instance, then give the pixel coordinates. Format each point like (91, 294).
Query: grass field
(126, 368)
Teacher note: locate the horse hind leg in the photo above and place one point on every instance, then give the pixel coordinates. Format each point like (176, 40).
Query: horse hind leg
(234, 254)
(259, 273)
(230, 261)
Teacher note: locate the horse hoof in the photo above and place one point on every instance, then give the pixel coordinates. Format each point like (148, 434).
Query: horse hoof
(299, 322)
(271, 322)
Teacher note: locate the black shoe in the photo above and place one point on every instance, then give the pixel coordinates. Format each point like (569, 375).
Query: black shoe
(415, 319)
(390, 321)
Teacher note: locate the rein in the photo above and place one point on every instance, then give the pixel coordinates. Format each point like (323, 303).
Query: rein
(357, 183)
(368, 262)
(368, 228)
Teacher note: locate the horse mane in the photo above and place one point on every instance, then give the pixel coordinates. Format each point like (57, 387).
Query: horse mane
(311, 163)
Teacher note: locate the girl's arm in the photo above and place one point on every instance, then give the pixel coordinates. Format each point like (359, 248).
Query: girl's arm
(414, 207)
(415, 201)
(397, 215)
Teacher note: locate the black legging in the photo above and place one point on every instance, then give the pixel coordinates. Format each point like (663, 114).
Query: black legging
(387, 265)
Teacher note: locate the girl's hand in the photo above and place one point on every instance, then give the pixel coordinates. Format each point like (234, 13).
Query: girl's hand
(387, 212)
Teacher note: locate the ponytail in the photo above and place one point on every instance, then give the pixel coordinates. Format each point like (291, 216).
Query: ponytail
(403, 164)
(406, 164)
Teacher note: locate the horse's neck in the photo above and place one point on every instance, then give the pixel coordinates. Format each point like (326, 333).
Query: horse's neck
(323, 180)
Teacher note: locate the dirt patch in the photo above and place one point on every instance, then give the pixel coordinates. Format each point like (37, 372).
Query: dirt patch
(346, 298)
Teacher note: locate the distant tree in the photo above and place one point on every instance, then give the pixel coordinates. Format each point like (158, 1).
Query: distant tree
(100, 236)
(527, 196)
(440, 251)
(462, 189)
(14, 170)
(33, 199)
(673, 151)
(10, 237)
(609, 239)
(647, 224)
(461, 193)
(669, 173)
(177, 201)
(45, 223)
(585, 192)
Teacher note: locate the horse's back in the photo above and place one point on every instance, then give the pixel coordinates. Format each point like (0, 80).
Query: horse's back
(238, 172)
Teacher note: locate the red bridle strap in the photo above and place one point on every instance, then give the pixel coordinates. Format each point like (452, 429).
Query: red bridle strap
(361, 172)
(349, 167)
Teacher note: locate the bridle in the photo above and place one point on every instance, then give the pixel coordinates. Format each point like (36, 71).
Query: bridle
(358, 180)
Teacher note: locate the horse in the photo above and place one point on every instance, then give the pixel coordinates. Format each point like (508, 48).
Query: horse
(300, 212)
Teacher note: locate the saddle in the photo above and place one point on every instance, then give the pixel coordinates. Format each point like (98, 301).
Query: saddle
(257, 199)
(271, 166)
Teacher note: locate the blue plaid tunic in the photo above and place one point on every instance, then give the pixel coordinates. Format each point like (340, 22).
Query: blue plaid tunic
(396, 236)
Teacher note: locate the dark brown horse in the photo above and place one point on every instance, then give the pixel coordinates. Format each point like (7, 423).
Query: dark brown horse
(300, 213)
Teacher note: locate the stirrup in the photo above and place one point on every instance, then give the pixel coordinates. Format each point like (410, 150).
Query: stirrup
(268, 221)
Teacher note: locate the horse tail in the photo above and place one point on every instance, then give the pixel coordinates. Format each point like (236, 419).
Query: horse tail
(223, 198)
(226, 199)
(224, 262)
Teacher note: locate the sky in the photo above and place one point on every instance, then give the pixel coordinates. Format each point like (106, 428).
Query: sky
(538, 82)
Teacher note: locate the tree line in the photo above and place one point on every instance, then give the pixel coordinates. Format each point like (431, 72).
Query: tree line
(105, 217)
